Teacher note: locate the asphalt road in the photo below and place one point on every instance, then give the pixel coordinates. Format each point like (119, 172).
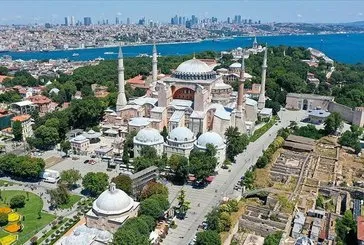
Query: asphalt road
(203, 200)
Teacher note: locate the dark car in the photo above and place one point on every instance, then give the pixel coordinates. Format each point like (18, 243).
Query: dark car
(86, 161)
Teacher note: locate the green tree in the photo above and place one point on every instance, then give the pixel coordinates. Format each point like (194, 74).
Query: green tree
(273, 238)
(345, 228)
(65, 146)
(4, 70)
(262, 161)
(162, 200)
(17, 131)
(129, 237)
(17, 201)
(236, 143)
(208, 237)
(164, 133)
(123, 182)
(151, 207)
(3, 219)
(86, 113)
(333, 123)
(203, 163)
(95, 183)
(213, 220)
(351, 138)
(183, 204)
(153, 188)
(59, 196)
(149, 220)
(179, 165)
(70, 177)
(44, 138)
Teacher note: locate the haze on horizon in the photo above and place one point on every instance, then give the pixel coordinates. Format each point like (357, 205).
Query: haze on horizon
(54, 11)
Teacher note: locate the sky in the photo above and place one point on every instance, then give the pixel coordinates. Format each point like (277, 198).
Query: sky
(54, 11)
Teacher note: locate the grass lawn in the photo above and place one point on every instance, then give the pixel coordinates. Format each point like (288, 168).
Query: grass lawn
(31, 224)
(260, 131)
(73, 200)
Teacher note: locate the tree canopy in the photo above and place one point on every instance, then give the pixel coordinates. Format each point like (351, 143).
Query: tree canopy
(95, 183)
(208, 237)
(123, 182)
(203, 163)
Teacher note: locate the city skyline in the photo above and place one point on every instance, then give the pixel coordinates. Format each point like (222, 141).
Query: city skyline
(30, 12)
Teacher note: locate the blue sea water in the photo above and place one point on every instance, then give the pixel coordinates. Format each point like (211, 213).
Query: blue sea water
(346, 48)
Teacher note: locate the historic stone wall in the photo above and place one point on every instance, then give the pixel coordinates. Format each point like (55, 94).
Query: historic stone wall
(346, 112)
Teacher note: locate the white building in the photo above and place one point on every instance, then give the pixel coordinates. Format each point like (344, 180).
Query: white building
(148, 137)
(79, 144)
(179, 141)
(216, 140)
(111, 209)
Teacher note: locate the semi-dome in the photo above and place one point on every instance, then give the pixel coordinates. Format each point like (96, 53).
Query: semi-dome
(193, 66)
(149, 135)
(113, 202)
(210, 138)
(181, 134)
(139, 121)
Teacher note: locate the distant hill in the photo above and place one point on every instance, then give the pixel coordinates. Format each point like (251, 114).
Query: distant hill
(356, 23)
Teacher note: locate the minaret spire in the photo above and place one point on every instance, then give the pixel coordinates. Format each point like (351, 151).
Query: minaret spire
(261, 100)
(238, 115)
(121, 100)
(154, 64)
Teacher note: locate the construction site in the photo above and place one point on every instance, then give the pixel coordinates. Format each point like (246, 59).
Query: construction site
(305, 188)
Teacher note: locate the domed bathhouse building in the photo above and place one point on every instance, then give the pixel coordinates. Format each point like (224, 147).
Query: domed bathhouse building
(111, 209)
(216, 140)
(179, 141)
(148, 137)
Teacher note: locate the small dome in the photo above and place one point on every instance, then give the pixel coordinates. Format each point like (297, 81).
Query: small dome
(149, 135)
(113, 202)
(91, 131)
(235, 65)
(181, 134)
(193, 66)
(104, 236)
(304, 241)
(210, 138)
(80, 138)
(139, 121)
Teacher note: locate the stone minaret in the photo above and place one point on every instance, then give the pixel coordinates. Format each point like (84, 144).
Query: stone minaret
(239, 114)
(155, 65)
(255, 43)
(261, 100)
(121, 101)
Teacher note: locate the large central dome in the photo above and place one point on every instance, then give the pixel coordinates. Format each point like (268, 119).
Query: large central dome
(194, 70)
(193, 66)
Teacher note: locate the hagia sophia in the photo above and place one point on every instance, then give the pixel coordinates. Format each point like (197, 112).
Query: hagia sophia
(194, 101)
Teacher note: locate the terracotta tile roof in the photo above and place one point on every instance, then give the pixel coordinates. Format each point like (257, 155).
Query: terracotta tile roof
(40, 99)
(2, 78)
(360, 223)
(136, 80)
(21, 118)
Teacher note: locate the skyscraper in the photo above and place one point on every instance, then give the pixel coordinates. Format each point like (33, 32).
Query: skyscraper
(117, 21)
(66, 22)
(73, 23)
(87, 21)
(128, 21)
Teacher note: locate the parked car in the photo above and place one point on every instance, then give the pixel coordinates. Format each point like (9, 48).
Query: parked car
(86, 161)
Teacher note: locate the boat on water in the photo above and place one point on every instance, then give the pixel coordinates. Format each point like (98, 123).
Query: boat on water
(109, 53)
(99, 59)
(142, 55)
(75, 54)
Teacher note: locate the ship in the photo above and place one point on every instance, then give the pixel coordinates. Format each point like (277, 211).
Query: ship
(75, 54)
(109, 53)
